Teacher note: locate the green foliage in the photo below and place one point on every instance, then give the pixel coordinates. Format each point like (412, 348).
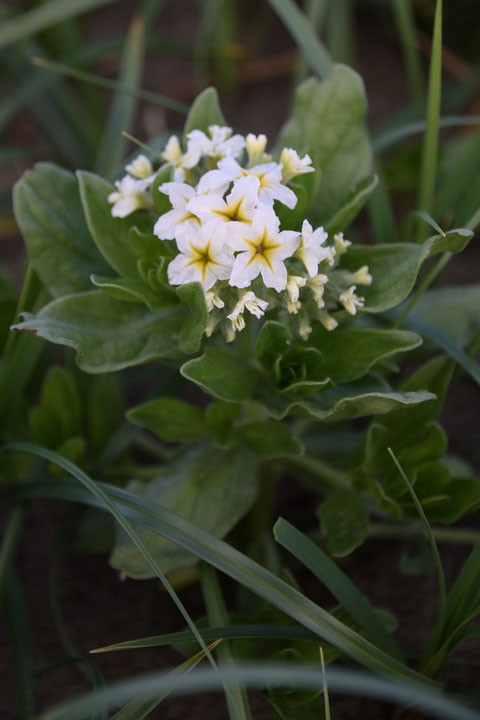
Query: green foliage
(49, 213)
(109, 334)
(419, 444)
(344, 520)
(171, 419)
(204, 112)
(209, 487)
(341, 150)
(270, 439)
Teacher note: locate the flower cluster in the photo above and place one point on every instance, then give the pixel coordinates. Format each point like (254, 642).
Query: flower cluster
(228, 234)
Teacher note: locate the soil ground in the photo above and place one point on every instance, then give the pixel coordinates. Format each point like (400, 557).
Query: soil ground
(94, 604)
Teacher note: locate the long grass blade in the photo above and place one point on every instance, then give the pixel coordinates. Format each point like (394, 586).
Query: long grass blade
(262, 675)
(9, 543)
(104, 500)
(122, 109)
(404, 20)
(140, 708)
(230, 561)
(337, 582)
(21, 649)
(146, 95)
(428, 167)
(304, 35)
(339, 31)
(226, 632)
(315, 11)
(442, 595)
(43, 16)
(235, 694)
(384, 140)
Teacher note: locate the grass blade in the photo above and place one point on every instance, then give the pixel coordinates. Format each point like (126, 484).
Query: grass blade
(19, 631)
(98, 491)
(325, 687)
(313, 50)
(122, 109)
(315, 13)
(262, 675)
(43, 16)
(337, 582)
(403, 14)
(339, 31)
(386, 139)
(9, 544)
(217, 615)
(139, 708)
(436, 556)
(225, 632)
(430, 144)
(146, 95)
(230, 561)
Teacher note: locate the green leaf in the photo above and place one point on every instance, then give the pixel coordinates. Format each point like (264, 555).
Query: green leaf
(204, 112)
(222, 556)
(172, 420)
(210, 488)
(223, 375)
(357, 399)
(135, 290)
(221, 417)
(328, 122)
(452, 310)
(270, 439)
(161, 201)
(344, 520)
(108, 334)
(111, 235)
(50, 215)
(347, 594)
(58, 417)
(394, 267)
(349, 354)
(191, 332)
(351, 204)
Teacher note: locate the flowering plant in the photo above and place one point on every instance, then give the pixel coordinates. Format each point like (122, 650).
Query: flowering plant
(232, 265)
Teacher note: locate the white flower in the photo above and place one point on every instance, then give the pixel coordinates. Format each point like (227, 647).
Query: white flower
(140, 167)
(328, 322)
(294, 283)
(213, 181)
(304, 329)
(350, 301)
(174, 154)
(202, 258)
(293, 306)
(262, 249)
(247, 301)
(269, 176)
(362, 276)
(129, 196)
(294, 165)
(311, 251)
(317, 285)
(236, 210)
(341, 245)
(171, 224)
(255, 146)
(213, 300)
(220, 143)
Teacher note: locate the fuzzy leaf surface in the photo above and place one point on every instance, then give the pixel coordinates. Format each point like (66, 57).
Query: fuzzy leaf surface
(49, 213)
(208, 487)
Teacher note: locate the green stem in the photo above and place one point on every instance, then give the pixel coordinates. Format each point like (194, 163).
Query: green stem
(430, 144)
(9, 542)
(455, 536)
(146, 95)
(30, 290)
(320, 470)
(402, 10)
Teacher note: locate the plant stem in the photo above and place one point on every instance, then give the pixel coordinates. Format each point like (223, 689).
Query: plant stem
(320, 470)
(9, 542)
(455, 536)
